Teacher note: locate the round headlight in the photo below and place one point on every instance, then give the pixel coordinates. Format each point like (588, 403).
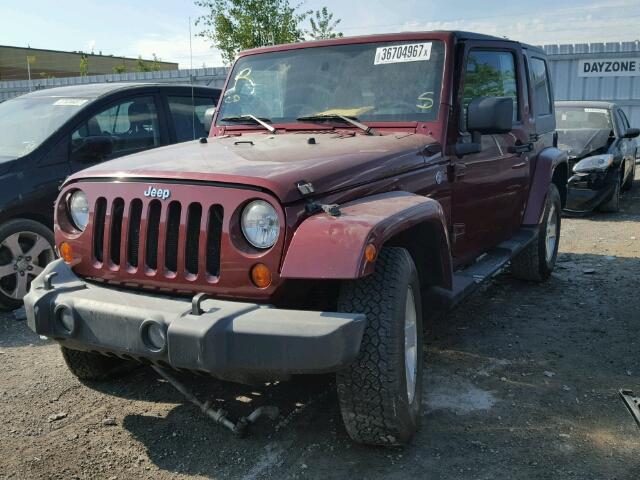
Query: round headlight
(260, 224)
(79, 209)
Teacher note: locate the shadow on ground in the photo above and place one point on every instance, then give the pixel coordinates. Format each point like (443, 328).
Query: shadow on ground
(512, 383)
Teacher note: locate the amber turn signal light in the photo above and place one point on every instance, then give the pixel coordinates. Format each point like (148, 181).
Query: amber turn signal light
(370, 252)
(261, 275)
(66, 252)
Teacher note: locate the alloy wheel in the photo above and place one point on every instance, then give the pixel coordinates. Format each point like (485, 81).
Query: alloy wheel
(410, 345)
(23, 255)
(552, 233)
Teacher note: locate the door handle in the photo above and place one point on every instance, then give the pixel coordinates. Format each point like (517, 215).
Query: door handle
(521, 164)
(520, 149)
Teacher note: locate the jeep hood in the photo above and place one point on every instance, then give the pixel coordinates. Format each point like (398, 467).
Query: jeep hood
(329, 160)
(583, 141)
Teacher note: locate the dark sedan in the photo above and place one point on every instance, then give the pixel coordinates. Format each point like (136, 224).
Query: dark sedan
(602, 152)
(49, 134)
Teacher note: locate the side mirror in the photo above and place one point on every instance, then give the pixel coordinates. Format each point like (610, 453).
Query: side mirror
(486, 116)
(632, 133)
(208, 118)
(91, 149)
(489, 115)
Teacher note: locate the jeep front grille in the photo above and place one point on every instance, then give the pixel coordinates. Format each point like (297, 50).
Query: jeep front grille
(166, 238)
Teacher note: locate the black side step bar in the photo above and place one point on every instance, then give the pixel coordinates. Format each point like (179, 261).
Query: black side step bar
(466, 281)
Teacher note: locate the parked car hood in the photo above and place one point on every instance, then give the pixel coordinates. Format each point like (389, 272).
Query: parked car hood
(330, 161)
(582, 141)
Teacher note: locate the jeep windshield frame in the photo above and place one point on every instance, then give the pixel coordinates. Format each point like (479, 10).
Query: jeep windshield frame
(381, 82)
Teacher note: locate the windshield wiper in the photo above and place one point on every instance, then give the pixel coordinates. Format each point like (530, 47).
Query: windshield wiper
(251, 119)
(332, 117)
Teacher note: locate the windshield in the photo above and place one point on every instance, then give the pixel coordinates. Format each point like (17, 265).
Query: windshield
(390, 81)
(26, 122)
(583, 130)
(570, 118)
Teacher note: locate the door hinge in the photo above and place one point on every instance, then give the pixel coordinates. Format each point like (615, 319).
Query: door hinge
(456, 170)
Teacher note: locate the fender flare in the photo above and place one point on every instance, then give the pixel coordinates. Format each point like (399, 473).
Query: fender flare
(328, 247)
(547, 162)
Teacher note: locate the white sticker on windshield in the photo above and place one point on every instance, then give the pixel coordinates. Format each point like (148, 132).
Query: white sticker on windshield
(596, 110)
(71, 102)
(411, 52)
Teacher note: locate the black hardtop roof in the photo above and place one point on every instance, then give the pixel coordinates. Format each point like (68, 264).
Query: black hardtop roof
(96, 90)
(463, 35)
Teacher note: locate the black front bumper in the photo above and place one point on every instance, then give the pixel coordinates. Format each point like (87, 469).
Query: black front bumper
(215, 336)
(586, 192)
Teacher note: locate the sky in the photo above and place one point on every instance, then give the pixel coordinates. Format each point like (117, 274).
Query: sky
(161, 27)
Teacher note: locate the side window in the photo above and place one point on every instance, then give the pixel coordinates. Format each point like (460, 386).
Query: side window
(187, 115)
(540, 87)
(625, 118)
(491, 73)
(131, 126)
(621, 120)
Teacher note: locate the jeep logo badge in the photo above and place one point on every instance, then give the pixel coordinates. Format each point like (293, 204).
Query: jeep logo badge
(162, 193)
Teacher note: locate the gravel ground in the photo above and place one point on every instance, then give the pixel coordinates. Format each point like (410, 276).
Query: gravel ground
(521, 383)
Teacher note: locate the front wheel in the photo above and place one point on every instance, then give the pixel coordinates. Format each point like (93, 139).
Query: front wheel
(26, 247)
(537, 260)
(628, 185)
(380, 394)
(612, 205)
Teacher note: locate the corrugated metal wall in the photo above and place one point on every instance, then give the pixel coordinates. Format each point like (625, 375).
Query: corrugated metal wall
(213, 77)
(568, 85)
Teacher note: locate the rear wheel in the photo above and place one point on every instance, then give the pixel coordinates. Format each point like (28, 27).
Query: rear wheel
(380, 394)
(536, 262)
(613, 204)
(92, 366)
(26, 247)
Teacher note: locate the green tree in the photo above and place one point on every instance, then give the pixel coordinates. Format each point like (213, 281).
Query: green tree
(120, 68)
(234, 25)
(84, 65)
(153, 66)
(323, 25)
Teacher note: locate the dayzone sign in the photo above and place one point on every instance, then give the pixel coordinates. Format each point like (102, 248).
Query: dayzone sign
(609, 67)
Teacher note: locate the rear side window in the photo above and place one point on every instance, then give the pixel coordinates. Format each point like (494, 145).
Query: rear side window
(540, 86)
(491, 73)
(131, 125)
(187, 115)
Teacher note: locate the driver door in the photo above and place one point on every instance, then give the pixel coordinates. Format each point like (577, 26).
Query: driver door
(132, 125)
(490, 186)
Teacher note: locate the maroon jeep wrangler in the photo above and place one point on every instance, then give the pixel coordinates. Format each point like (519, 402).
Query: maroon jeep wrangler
(349, 189)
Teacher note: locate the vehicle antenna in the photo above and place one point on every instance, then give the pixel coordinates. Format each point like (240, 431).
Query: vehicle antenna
(193, 103)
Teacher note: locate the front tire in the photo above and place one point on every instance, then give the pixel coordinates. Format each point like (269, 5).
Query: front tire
(92, 366)
(536, 262)
(613, 204)
(26, 247)
(380, 394)
(628, 185)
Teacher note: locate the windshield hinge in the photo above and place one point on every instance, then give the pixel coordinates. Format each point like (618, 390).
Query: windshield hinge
(304, 187)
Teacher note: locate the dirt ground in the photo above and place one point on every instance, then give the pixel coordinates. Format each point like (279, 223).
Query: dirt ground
(521, 383)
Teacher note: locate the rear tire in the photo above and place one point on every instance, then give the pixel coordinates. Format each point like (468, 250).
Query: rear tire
(92, 366)
(613, 204)
(380, 394)
(536, 262)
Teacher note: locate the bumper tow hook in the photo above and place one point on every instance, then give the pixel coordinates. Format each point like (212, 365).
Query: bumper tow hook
(219, 415)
